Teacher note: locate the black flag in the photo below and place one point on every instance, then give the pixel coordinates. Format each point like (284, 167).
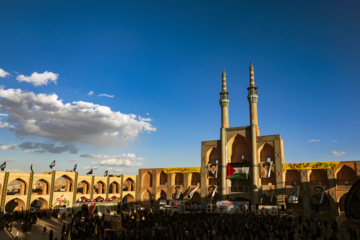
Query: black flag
(32, 171)
(90, 172)
(3, 166)
(106, 173)
(75, 167)
(52, 164)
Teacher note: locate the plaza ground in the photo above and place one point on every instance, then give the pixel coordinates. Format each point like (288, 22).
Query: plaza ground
(36, 230)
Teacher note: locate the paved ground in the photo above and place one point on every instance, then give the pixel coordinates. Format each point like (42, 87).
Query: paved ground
(36, 230)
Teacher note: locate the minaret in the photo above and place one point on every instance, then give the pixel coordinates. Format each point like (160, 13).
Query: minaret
(224, 103)
(253, 98)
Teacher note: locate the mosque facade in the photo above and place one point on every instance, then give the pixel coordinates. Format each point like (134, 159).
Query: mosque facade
(243, 165)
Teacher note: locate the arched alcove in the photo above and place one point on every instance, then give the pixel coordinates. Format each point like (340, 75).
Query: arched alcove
(17, 187)
(129, 185)
(114, 187)
(128, 199)
(179, 179)
(215, 157)
(346, 176)
(63, 184)
(163, 178)
(100, 187)
(267, 153)
(342, 203)
(240, 149)
(83, 187)
(318, 177)
(195, 179)
(292, 176)
(146, 198)
(147, 179)
(163, 195)
(15, 205)
(40, 204)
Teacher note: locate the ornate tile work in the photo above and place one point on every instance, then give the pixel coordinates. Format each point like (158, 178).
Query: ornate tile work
(107, 187)
(52, 189)
(92, 187)
(28, 199)
(122, 185)
(3, 195)
(75, 187)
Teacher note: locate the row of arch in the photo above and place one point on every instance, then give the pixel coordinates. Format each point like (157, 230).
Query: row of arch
(64, 183)
(42, 204)
(177, 179)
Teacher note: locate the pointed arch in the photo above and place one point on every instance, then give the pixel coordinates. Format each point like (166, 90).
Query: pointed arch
(129, 185)
(146, 198)
(241, 151)
(83, 187)
(15, 204)
(40, 203)
(100, 187)
(17, 186)
(114, 187)
(163, 179)
(342, 202)
(195, 178)
(267, 153)
(64, 183)
(42, 187)
(179, 179)
(318, 177)
(292, 176)
(128, 199)
(147, 179)
(346, 176)
(163, 195)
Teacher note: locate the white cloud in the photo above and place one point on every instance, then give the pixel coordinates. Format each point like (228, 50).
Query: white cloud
(47, 148)
(334, 141)
(337, 153)
(46, 116)
(38, 79)
(6, 125)
(118, 162)
(3, 73)
(144, 119)
(147, 114)
(88, 168)
(314, 140)
(115, 170)
(7, 147)
(3, 114)
(90, 93)
(105, 95)
(124, 155)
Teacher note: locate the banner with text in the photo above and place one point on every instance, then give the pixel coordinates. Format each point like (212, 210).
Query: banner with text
(313, 165)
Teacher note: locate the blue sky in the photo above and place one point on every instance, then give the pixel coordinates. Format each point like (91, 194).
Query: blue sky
(120, 85)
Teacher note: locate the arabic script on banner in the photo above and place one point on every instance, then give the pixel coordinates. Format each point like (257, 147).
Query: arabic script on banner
(182, 170)
(313, 165)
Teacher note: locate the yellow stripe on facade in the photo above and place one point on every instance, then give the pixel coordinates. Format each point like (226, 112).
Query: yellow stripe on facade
(313, 165)
(182, 170)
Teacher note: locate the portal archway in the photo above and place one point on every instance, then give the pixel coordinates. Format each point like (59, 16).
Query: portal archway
(83, 187)
(63, 184)
(15, 205)
(129, 185)
(100, 187)
(40, 204)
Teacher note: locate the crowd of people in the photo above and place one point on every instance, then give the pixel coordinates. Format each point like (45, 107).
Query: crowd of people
(200, 226)
(205, 226)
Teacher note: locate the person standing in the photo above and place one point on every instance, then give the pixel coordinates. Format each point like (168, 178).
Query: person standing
(44, 231)
(51, 235)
